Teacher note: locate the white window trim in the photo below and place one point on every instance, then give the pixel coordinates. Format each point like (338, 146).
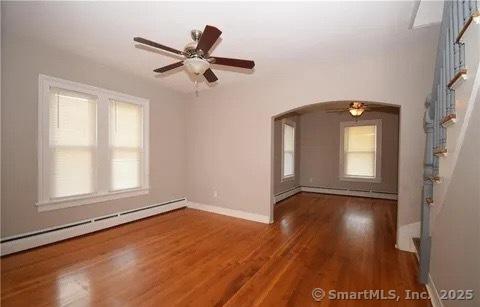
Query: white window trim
(378, 151)
(293, 124)
(104, 96)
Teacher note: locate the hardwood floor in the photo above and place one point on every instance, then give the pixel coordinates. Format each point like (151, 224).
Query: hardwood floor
(190, 257)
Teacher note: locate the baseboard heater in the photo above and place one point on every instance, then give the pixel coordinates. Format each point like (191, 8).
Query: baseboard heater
(346, 192)
(286, 194)
(29, 240)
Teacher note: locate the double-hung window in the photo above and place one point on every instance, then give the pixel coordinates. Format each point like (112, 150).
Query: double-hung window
(72, 143)
(93, 144)
(360, 150)
(126, 145)
(288, 149)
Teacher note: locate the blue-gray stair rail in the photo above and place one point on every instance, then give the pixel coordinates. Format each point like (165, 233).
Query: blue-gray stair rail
(440, 106)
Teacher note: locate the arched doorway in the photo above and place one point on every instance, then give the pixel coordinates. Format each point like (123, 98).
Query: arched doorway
(318, 161)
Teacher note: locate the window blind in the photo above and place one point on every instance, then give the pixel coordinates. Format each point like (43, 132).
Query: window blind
(288, 150)
(72, 143)
(360, 151)
(126, 148)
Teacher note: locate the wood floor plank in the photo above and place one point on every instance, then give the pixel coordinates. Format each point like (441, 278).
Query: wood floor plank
(194, 258)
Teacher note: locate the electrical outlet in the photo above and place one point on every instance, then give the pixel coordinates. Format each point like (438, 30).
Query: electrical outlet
(215, 194)
(311, 179)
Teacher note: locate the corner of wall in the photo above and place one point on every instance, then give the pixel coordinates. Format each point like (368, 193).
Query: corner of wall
(405, 235)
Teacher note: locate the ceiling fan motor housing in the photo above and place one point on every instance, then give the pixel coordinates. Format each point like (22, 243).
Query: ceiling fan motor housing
(190, 48)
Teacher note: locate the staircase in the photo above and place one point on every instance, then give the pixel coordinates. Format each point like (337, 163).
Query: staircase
(456, 88)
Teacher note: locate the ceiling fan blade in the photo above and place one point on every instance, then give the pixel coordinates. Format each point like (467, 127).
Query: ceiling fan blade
(210, 76)
(336, 110)
(233, 62)
(169, 67)
(380, 107)
(388, 109)
(156, 45)
(209, 37)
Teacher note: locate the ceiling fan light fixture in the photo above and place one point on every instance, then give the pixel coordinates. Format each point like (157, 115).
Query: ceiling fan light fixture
(356, 112)
(356, 109)
(196, 66)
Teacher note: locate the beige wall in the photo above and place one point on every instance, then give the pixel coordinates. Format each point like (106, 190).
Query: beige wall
(455, 254)
(280, 186)
(230, 127)
(22, 62)
(221, 145)
(320, 151)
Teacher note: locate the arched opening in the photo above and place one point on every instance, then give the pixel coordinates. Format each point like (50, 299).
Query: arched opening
(323, 148)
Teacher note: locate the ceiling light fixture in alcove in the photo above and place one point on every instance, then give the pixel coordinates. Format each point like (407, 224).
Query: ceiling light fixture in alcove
(356, 109)
(197, 58)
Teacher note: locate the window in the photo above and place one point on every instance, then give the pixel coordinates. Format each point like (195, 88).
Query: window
(288, 149)
(360, 150)
(72, 143)
(93, 144)
(125, 145)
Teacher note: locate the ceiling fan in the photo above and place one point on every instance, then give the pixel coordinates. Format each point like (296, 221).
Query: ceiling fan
(356, 109)
(197, 58)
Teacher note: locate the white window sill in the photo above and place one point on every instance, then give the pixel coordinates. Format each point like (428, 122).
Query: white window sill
(361, 179)
(288, 178)
(88, 199)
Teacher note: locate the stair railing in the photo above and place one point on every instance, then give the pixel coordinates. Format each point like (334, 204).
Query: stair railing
(450, 70)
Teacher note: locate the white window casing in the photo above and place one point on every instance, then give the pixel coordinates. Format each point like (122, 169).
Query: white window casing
(288, 150)
(360, 152)
(77, 147)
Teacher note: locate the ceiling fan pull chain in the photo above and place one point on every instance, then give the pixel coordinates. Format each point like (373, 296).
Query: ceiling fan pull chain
(196, 87)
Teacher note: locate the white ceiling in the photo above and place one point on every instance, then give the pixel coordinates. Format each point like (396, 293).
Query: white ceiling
(274, 34)
(427, 13)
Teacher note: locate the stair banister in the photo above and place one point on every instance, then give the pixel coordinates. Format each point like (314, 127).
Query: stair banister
(449, 71)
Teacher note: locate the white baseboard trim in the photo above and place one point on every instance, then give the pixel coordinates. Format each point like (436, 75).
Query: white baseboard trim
(433, 293)
(286, 194)
(230, 212)
(54, 234)
(350, 193)
(405, 236)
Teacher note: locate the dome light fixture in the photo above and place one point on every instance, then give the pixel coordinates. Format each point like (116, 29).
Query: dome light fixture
(196, 65)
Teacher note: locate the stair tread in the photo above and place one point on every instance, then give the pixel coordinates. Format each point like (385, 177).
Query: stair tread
(466, 25)
(456, 77)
